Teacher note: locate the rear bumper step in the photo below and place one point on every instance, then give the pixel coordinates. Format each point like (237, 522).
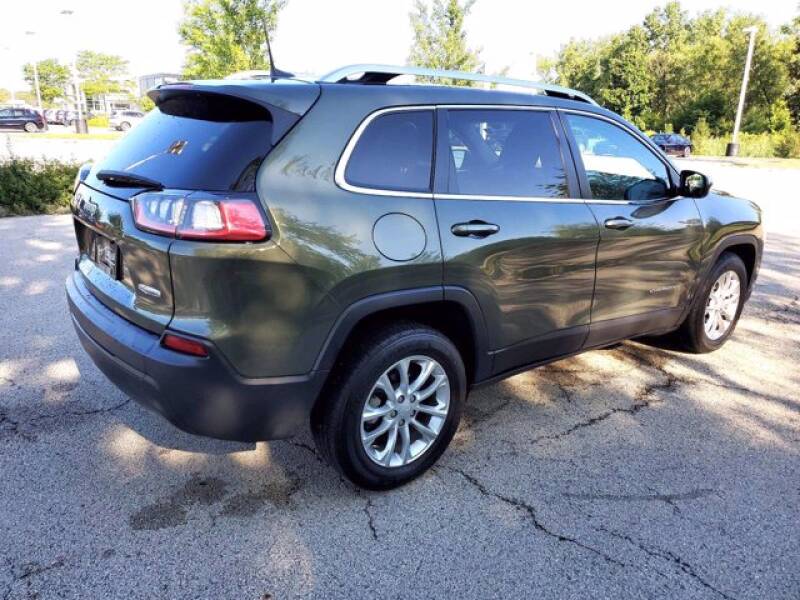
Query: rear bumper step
(204, 396)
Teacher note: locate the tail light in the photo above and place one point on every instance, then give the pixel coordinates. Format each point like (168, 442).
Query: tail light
(200, 217)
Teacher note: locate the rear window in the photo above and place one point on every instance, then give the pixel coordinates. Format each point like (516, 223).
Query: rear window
(197, 141)
(395, 152)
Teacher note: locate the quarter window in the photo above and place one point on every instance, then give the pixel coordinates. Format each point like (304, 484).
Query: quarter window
(617, 165)
(505, 153)
(395, 152)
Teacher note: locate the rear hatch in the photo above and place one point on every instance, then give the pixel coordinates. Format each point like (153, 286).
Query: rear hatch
(201, 138)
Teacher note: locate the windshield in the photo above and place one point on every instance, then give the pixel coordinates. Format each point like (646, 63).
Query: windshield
(197, 141)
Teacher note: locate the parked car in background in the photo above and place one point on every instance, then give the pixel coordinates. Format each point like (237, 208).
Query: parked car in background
(258, 258)
(673, 143)
(26, 119)
(124, 119)
(51, 115)
(71, 117)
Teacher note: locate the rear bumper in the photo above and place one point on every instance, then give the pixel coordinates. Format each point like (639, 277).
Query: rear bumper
(204, 396)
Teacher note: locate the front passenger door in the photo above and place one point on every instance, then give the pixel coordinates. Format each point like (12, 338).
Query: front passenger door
(513, 231)
(648, 256)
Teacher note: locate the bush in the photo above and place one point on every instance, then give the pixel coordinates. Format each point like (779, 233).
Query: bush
(99, 121)
(31, 187)
(785, 144)
(788, 144)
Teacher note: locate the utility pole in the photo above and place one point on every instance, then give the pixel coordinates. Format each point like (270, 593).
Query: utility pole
(80, 124)
(36, 79)
(733, 148)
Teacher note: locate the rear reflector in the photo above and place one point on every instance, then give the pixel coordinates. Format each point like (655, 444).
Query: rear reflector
(184, 345)
(200, 217)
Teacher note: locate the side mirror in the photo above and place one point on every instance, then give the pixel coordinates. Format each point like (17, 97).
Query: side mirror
(694, 184)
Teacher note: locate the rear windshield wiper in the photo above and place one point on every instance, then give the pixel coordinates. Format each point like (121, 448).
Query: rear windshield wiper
(123, 179)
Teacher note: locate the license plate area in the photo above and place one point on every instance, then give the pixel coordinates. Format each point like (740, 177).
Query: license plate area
(104, 253)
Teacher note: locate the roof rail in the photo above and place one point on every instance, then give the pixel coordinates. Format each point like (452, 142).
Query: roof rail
(381, 74)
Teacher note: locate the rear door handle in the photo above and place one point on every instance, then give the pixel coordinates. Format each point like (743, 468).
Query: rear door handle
(475, 229)
(618, 223)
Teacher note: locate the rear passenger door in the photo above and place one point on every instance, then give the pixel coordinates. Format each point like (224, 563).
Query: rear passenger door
(648, 257)
(513, 229)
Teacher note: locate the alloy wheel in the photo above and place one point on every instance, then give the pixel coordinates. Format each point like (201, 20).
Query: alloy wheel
(722, 305)
(405, 411)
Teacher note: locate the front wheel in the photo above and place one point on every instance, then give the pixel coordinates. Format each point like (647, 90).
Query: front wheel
(390, 412)
(687, 151)
(717, 307)
(125, 126)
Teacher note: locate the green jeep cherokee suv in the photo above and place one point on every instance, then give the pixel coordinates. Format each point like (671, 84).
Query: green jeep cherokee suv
(355, 255)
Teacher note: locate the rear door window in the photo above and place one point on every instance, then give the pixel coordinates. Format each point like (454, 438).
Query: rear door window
(394, 152)
(505, 153)
(197, 141)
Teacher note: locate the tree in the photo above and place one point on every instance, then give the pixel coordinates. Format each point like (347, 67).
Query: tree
(675, 70)
(53, 77)
(440, 41)
(225, 36)
(5, 95)
(628, 82)
(102, 73)
(792, 33)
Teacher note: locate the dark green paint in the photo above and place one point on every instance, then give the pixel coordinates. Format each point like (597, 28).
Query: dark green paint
(549, 273)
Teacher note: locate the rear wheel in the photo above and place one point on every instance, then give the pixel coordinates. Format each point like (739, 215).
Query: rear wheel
(686, 152)
(717, 307)
(391, 412)
(31, 127)
(125, 126)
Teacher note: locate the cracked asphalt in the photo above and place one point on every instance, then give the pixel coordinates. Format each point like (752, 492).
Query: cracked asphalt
(630, 472)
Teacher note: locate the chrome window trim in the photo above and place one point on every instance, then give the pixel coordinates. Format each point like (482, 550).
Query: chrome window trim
(341, 166)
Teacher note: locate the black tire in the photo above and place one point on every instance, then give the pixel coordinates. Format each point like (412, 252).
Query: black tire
(336, 420)
(687, 152)
(31, 127)
(692, 333)
(124, 126)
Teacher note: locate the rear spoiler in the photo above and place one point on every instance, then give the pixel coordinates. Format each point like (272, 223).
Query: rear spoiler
(287, 101)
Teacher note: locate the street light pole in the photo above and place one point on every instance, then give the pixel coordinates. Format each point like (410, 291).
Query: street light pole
(36, 79)
(733, 147)
(80, 123)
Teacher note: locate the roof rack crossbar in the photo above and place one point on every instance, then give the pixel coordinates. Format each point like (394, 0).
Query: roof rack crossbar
(380, 74)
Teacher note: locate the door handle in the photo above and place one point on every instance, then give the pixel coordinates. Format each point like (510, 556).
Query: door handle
(475, 229)
(618, 223)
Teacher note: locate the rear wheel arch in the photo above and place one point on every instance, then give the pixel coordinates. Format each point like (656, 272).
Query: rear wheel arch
(452, 310)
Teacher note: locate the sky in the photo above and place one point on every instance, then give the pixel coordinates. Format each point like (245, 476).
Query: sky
(316, 36)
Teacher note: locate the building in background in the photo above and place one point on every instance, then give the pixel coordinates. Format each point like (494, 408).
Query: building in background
(148, 82)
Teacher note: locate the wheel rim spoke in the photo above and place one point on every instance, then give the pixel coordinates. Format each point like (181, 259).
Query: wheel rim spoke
(435, 411)
(378, 431)
(405, 444)
(424, 375)
(370, 413)
(438, 381)
(391, 443)
(427, 433)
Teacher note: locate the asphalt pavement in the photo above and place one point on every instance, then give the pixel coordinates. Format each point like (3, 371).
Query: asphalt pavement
(629, 472)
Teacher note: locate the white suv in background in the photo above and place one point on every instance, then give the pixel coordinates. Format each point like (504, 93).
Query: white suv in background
(122, 120)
